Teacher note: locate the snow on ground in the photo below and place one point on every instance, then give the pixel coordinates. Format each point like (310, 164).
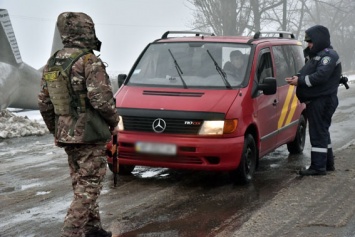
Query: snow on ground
(20, 123)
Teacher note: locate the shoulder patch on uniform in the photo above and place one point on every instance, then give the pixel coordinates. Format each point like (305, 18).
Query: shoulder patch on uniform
(326, 60)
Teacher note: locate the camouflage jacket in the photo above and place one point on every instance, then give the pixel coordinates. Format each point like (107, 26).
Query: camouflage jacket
(88, 73)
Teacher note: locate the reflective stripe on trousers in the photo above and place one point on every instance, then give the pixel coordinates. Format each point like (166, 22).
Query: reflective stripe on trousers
(319, 115)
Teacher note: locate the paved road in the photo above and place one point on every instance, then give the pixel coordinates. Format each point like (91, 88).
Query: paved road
(310, 206)
(35, 192)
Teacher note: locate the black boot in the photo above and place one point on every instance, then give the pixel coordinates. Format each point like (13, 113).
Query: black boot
(98, 233)
(330, 168)
(309, 171)
(330, 163)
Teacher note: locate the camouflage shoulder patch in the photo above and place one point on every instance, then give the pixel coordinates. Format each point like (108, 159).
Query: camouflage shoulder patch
(326, 60)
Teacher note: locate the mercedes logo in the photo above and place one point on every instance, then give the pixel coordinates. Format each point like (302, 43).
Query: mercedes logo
(159, 125)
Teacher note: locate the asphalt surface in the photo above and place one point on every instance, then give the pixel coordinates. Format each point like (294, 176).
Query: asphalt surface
(35, 193)
(310, 206)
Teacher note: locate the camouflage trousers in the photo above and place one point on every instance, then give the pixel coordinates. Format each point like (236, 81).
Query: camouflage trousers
(87, 165)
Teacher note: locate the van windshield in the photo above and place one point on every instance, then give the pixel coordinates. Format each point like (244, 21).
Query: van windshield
(192, 65)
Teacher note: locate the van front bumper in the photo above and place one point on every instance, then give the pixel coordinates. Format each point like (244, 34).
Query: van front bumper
(218, 154)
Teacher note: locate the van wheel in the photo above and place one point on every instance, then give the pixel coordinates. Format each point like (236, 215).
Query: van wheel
(246, 169)
(123, 169)
(297, 145)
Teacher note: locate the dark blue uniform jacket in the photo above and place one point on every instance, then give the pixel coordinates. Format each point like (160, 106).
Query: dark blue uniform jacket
(321, 74)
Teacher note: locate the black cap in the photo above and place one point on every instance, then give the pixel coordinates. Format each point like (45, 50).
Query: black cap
(307, 38)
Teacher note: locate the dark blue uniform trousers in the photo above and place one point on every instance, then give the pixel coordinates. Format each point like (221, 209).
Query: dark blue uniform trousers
(319, 113)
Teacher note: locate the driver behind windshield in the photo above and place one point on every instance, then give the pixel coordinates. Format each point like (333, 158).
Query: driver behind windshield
(236, 65)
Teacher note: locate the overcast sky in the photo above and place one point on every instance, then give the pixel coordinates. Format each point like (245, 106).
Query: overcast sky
(124, 26)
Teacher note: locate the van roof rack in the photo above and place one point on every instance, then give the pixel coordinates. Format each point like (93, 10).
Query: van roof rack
(196, 33)
(274, 34)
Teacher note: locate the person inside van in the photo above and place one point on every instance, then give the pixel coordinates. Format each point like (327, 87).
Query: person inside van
(236, 65)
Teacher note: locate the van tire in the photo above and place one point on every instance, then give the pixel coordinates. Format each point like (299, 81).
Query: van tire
(123, 169)
(297, 145)
(246, 169)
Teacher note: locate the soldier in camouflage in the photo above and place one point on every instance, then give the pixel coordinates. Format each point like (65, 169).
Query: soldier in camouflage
(86, 160)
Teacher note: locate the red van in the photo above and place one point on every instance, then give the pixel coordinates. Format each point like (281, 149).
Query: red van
(182, 106)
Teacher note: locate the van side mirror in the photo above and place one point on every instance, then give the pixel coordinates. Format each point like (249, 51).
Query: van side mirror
(268, 86)
(121, 78)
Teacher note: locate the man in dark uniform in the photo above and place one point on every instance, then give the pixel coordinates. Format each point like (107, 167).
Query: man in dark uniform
(317, 86)
(70, 98)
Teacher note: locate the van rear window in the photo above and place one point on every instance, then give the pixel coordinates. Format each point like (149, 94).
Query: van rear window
(192, 65)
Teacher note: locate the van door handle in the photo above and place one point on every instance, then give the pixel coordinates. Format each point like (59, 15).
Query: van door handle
(275, 102)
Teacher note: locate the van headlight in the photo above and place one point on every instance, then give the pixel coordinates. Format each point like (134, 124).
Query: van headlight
(120, 124)
(218, 127)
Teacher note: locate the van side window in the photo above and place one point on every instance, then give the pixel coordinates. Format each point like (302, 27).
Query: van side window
(287, 61)
(264, 67)
(284, 62)
(297, 53)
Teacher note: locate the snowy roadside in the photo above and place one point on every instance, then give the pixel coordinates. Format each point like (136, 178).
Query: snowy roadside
(20, 123)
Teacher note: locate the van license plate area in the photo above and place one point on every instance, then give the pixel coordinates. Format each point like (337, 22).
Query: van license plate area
(155, 148)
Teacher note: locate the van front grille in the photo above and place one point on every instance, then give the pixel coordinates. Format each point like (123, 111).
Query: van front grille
(172, 125)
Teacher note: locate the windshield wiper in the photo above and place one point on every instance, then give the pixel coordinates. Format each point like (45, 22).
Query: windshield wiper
(178, 69)
(220, 71)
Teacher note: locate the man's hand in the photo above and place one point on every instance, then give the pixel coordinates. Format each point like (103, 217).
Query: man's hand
(114, 131)
(292, 80)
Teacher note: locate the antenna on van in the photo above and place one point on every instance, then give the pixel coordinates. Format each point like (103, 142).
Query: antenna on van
(196, 33)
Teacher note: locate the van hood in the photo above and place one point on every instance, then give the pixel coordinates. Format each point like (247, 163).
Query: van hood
(175, 99)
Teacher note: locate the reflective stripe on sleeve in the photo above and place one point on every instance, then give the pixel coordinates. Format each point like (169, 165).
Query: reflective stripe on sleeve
(308, 83)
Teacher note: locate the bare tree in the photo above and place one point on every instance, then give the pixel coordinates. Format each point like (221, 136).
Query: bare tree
(244, 17)
(227, 17)
(288, 17)
(338, 17)
(260, 8)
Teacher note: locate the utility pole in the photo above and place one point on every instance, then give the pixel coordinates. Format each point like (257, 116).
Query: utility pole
(284, 20)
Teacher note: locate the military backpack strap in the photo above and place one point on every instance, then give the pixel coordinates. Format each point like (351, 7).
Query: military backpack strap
(67, 65)
(78, 100)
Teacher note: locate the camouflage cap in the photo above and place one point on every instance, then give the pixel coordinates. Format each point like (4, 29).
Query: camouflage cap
(77, 30)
